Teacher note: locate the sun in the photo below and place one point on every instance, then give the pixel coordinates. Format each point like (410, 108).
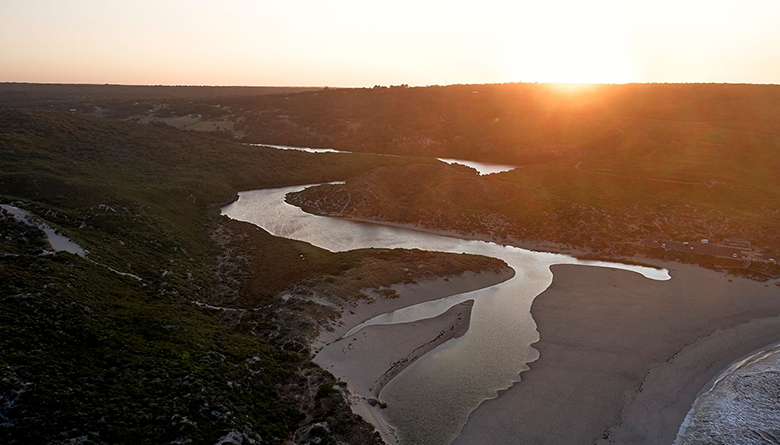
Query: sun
(571, 46)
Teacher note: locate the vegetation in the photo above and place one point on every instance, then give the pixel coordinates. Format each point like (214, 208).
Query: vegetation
(204, 347)
(93, 356)
(557, 203)
(516, 123)
(85, 97)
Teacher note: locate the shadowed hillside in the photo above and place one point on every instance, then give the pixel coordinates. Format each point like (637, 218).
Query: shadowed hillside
(518, 123)
(199, 348)
(581, 207)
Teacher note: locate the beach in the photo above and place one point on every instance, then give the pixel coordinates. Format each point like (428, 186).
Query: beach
(352, 314)
(371, 357)
(622, 358)
(564, 353)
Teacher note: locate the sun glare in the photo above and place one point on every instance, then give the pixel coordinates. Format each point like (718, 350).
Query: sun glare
(572, 46)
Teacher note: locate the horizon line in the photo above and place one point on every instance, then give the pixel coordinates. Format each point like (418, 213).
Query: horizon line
(11, 82)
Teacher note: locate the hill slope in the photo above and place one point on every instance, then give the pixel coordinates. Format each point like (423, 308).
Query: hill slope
(93, 356)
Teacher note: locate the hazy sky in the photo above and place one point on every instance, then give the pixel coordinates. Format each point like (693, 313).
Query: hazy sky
(362, 43)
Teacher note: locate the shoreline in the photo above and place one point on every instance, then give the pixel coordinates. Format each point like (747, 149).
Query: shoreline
(542, 246)
(622, 360)
(619, 428)
(353, 314)
(706, 358)
(370, 358)
(538, 246)
(724, 374)
(726, 393)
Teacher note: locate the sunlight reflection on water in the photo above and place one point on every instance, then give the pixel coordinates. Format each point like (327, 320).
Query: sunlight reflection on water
(429, 402)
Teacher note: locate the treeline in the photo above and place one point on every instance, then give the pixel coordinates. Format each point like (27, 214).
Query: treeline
(506, 123)
(512, 123)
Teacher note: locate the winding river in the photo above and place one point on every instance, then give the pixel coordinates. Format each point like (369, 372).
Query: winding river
(430, 401)
(484, 168)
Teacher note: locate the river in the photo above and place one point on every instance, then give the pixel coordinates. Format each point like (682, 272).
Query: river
(484, 168)
(430, 401)
(57, 240)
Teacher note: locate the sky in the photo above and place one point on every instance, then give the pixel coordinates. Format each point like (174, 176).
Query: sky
(364, 43)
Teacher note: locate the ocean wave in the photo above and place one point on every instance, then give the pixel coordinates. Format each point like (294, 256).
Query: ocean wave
(740, 406)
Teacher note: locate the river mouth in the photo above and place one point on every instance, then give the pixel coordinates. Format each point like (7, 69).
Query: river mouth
(430, 401)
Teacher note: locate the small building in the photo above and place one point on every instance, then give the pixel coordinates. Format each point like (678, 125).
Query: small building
(705, 241)
(737, 242)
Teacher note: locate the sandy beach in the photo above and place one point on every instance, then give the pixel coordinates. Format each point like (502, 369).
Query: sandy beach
(623, 358)
(374, 355)
(408, 295)
(370, 358)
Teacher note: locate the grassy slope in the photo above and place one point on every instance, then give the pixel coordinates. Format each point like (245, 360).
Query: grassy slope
(90, 354)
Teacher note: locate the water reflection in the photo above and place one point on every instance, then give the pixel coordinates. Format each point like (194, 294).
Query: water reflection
(483, 168)
(430, 401)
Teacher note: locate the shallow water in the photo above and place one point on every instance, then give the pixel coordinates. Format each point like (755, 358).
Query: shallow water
(482, 167)
(306, 149)
(429, 402)
(740, 405)
(58, 241)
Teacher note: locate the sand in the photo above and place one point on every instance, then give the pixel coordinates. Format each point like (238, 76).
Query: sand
(408, 295)
(370, 358)
(622, 358)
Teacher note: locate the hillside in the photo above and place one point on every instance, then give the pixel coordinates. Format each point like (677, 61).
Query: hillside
(516, 123)
(567, 208)
(200, 347)
(520, 124)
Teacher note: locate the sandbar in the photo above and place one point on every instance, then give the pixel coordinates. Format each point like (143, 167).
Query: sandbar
(622, 358)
